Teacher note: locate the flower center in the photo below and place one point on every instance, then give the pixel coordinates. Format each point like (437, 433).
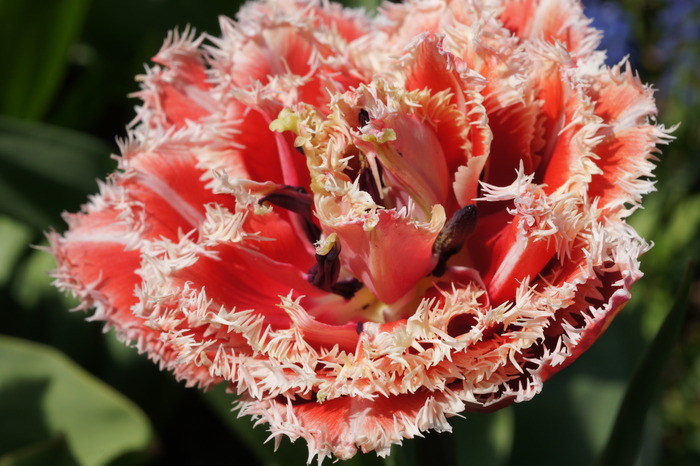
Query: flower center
(381, 197)
(326, 272)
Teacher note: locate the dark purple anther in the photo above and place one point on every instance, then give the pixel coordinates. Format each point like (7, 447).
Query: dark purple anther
(363, 117)
(298, 200)
(453, 235)
(324, 275)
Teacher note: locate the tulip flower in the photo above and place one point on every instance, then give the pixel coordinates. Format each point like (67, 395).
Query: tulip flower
(366, 225)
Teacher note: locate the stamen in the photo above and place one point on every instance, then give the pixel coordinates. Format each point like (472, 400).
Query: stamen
(347, 288)
(363, 117)
(324, 274)
(368, 183)
(453, 235)
(298, 200)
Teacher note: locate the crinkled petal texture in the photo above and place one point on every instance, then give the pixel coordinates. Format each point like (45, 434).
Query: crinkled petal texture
(366, 225)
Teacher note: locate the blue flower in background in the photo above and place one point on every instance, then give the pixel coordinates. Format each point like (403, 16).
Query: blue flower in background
(615, 23)
(679, 22)
(678, 50)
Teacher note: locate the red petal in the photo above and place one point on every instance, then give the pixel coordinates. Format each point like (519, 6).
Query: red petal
(341, 426)
(428, 66)
(349, 24)
(626, 106)
(243, 278)
(466, 182)
(551, 20)
(568, 149)
(95, 263)
(513, 129)
(179, 92)
(164, 186)
(608, 292)
(391, 257)
(514, 258)
(405, 22)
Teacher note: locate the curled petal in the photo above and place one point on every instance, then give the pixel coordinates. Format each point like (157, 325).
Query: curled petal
(628, 139)
(552, 20)
(98, 245)
(391, 256)
(179, 92)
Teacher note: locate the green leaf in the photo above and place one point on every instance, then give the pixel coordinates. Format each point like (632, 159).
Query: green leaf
(53, 451)
(45, 169)
(36, 38)
(45, 397)
(594, 419)
(32, 280)
(15, 239)
(625, 440)
(484, 438)
(369, 5)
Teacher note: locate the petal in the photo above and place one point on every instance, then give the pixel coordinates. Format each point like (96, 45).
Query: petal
(428, 66)
(515, 259)
(414, 163)
(507, 107)
(513, 129)
(243, 278)
(511, 252)
(597, 303)
(97, 264)
(627, 150)
(406, 21)
(390, 257)
(344, 425)
(245, 148)
(252, 153)
(419, 139)
(594, 301)
(467, 178)
(567, 161)
(178, 93)
(256, 52)
(350, 24)
(552, 20)
(288, 49)
(166, 195)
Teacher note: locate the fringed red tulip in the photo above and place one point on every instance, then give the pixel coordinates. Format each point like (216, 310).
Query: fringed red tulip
(366, 225)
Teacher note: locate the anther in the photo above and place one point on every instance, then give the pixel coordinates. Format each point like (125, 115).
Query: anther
(324, 274)
(453, 235)
(363, 117)
(368, 183)
(298, 200)
(347, 288)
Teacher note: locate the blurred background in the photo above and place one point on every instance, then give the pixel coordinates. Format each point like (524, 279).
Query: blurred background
(70, 394)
